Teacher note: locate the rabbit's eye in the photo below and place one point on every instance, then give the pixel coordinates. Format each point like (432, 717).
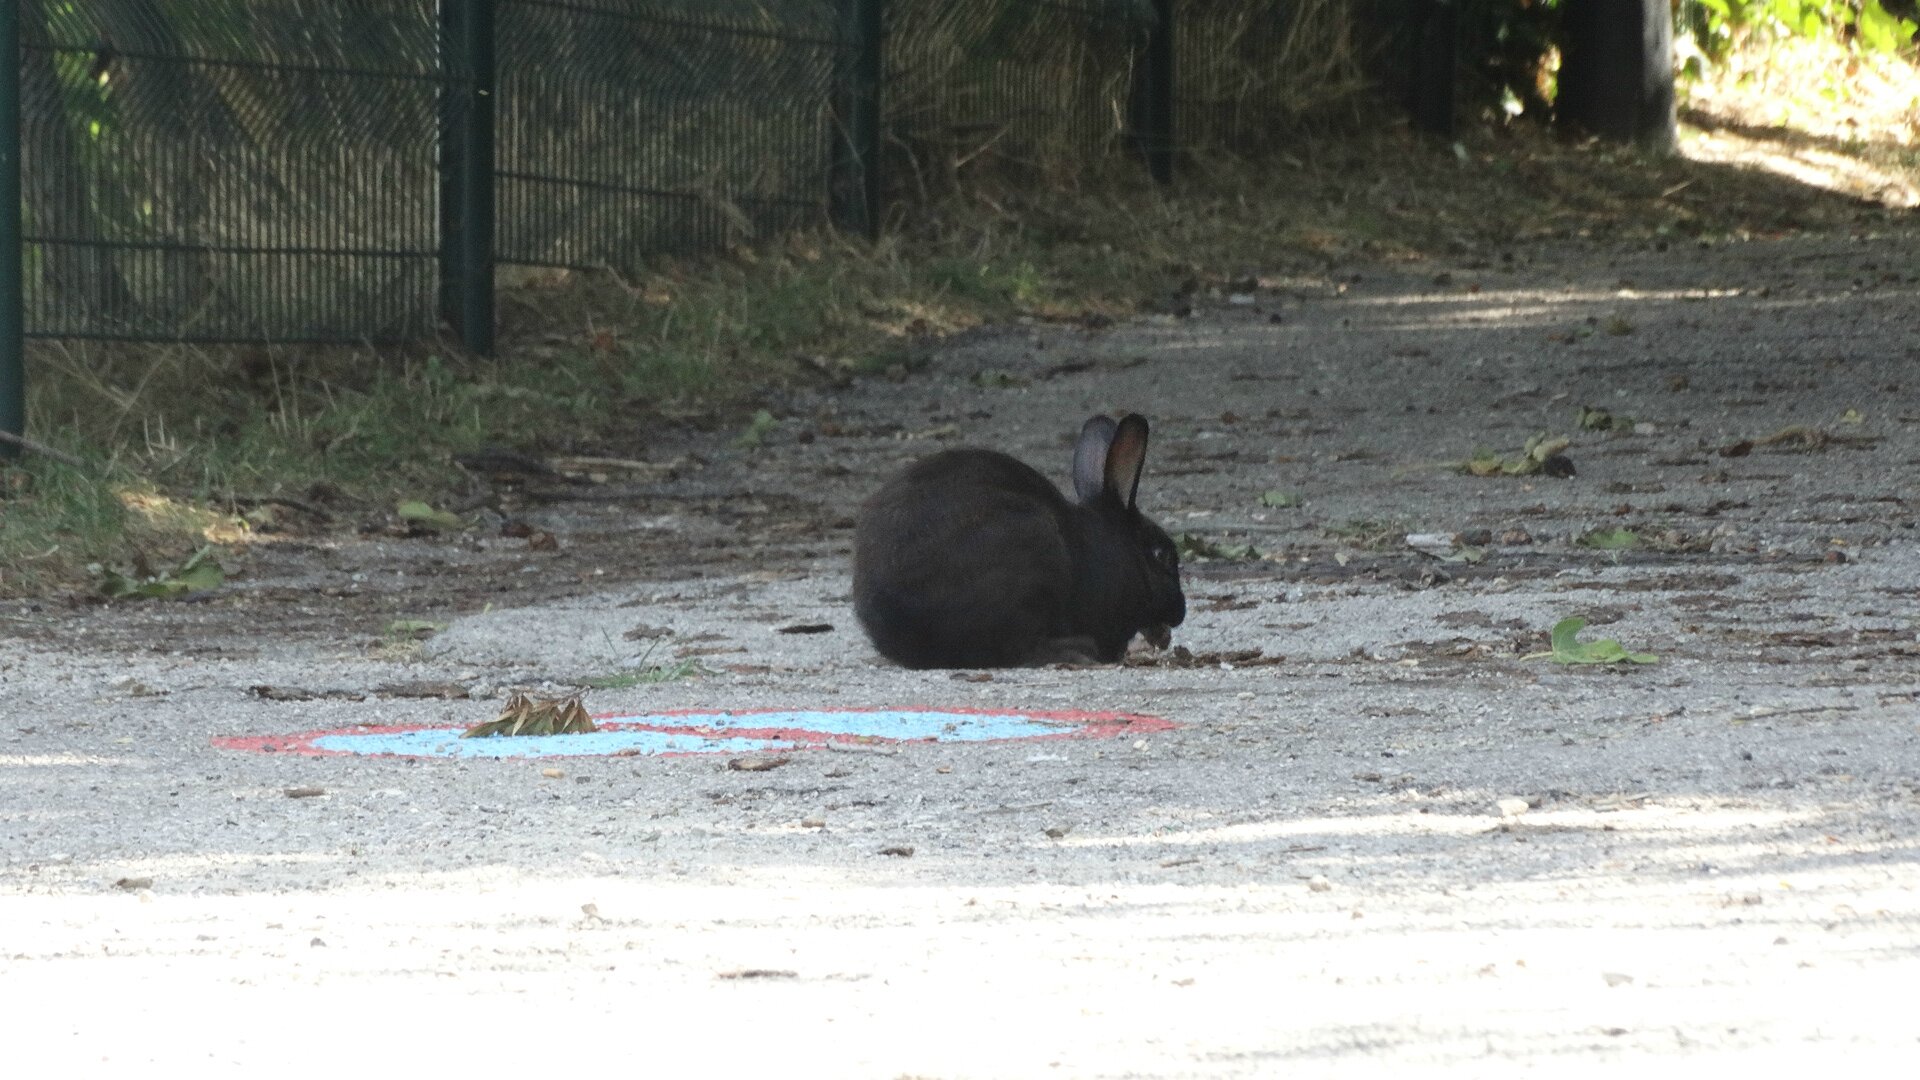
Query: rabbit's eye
(1164, 556)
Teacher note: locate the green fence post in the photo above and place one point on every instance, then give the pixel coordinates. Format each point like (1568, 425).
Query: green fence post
(466, 171)
(1153, 94)
(13, 361)
(853, 178)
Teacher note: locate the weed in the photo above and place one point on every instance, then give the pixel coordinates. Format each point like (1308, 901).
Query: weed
(1368, 534)
(645, 676)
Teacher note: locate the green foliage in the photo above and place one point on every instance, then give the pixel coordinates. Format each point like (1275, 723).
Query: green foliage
(1510, 43)
(1716, 26)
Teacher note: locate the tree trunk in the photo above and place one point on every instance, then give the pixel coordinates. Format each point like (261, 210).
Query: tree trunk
(1616, 71)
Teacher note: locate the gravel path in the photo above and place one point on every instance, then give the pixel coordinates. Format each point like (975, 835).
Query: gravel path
(1382, 835)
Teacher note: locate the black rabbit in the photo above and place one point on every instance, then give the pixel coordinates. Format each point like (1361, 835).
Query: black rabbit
(970, 558)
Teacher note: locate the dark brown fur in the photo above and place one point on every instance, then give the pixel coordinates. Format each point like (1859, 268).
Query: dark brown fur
(970, 558)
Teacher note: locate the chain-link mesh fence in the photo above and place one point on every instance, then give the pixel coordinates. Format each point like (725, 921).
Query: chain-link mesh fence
(291, 169)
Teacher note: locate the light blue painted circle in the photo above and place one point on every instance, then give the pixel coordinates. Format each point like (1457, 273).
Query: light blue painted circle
(446, 742)
(631, 734)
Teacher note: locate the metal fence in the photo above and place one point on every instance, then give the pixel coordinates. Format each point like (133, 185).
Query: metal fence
(287, 170)
(229, 169)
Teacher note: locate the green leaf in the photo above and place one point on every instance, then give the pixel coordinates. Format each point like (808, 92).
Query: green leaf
(756, 431)
(414, 628)
(198, 573)
(1283, 500)
(1592, 419)
(1543, 446)
(1567, 650)
(1610, 539)
(415, 512)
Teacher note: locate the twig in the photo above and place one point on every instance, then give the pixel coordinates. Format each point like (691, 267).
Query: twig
(42, 449)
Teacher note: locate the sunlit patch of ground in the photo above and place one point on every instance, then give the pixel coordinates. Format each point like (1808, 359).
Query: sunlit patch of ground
(1811, 111)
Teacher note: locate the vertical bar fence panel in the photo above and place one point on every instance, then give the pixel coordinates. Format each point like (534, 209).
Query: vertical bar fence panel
(1026, 93)
(637, 128)
(13, 368)
(1250, 74)
(229, 169)
(352, 170)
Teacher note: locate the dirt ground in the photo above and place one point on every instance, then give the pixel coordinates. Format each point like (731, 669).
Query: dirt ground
(1383, 835)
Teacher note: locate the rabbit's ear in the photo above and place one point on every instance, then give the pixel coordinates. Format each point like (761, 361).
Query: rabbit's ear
(1090, 457)
(1125, 457)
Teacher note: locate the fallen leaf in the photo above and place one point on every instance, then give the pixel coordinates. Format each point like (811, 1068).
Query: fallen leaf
(1567, 650)
(756, 430)
(423, 516)
(523, 716)
(1609, 539)
(199, 572)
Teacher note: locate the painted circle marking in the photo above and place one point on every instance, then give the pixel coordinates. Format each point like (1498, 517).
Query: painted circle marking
(709, 732)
